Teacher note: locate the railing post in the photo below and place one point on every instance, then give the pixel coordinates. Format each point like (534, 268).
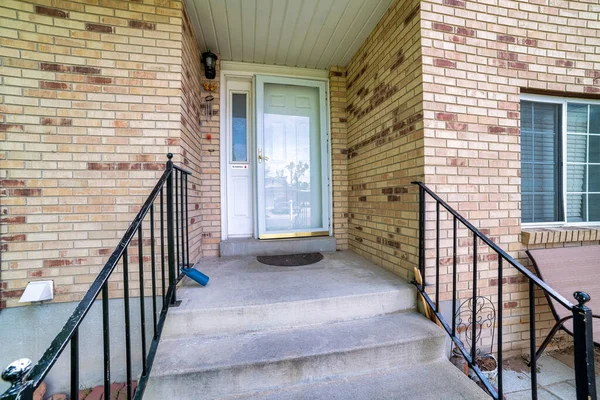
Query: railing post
(585, 376)
(171, 228)
(422, 233)
(14, 374)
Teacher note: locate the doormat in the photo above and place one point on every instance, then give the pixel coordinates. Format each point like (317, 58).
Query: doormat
(291, 260)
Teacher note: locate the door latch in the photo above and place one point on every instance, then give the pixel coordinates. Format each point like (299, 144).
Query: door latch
(261, 157)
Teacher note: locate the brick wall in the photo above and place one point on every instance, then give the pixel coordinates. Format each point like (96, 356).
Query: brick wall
(90, 104)
(339, 155)
(196, 147)
(477, 58)
(385, 140)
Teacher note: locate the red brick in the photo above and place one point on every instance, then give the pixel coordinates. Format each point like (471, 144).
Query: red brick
(442, 27)
(25, 192)
(142, 25)
(457, 162)
(518, 65)
(456, 126)
(83, 393)
(61, 262)
(591, 89)
(86, 70)
(98, 28)
(14, 238)
(511, 304)
(97, 393)
(52, 12)
(54, 85)
(13, 220)
(10, 127)
(55, 67)
(564, 63)
(11, 183)
(10, 294)
(496, 129)
(93, 166)
(457, 39)
(443, 63)
(115, 388)
(101, 80)
(153, 166)
(57, 121)
(414, 12)
(465, 32)
(445, 116)
(128, 166)
(454, 3)
(530, 42)
(509, 280)
(591, 73)
(506, 38)
(505, 55)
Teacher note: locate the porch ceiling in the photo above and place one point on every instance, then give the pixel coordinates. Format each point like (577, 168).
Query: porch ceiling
(295, 33)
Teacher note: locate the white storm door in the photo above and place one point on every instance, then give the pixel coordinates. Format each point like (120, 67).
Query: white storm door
(239, 166)
(292, 158)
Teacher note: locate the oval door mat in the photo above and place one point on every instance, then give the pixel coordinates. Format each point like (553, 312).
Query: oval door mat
(291, 260)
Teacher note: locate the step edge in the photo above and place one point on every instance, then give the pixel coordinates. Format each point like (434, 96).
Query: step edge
(420, 339)
(307, 301)
(337, 379)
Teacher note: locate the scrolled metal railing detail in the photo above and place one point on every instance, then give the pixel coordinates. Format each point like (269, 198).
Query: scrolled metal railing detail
(25, 378)
(485, 312)
(582, 315)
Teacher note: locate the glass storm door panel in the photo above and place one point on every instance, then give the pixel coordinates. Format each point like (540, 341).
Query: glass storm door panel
(292, 161)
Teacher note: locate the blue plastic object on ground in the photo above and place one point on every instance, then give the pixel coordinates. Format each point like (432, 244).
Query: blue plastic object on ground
(195, 275)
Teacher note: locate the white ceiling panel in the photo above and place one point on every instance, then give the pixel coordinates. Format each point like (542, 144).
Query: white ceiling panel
(296, 33)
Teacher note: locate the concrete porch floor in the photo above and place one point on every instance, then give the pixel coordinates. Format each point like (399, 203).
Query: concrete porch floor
(246, 295)
(243, 281)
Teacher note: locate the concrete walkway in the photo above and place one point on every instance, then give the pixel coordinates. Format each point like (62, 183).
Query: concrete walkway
(556, 379)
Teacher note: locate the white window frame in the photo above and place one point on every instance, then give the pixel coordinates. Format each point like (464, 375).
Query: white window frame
(563, 101)
(248, 124)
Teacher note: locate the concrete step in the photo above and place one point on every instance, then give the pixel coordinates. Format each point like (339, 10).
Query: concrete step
(200, 368)
(439, 380)
(257, 247)
(244, 295)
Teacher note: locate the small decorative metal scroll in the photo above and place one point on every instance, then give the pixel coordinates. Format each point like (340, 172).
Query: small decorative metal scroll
(485, 319)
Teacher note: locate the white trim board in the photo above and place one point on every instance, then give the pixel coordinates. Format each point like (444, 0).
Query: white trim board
(241, 68)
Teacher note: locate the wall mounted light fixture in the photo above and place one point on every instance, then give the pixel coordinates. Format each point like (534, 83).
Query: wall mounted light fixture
(210, 64)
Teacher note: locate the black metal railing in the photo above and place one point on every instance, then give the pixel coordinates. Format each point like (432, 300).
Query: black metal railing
(582, 315)
(25, 379)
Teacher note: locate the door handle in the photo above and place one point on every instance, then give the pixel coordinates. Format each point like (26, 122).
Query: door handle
(261, 157)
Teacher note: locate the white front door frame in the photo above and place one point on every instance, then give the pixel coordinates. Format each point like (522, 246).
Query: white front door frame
(232, 69)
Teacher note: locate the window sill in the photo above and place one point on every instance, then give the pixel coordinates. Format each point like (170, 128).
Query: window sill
(560, 234)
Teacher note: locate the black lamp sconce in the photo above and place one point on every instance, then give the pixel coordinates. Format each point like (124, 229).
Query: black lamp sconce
(210, 64)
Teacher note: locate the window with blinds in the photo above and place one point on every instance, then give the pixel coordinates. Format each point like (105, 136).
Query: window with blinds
(545, 140)
(540, 156)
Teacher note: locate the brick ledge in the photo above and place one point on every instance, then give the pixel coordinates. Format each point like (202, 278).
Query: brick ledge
(562, 234)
